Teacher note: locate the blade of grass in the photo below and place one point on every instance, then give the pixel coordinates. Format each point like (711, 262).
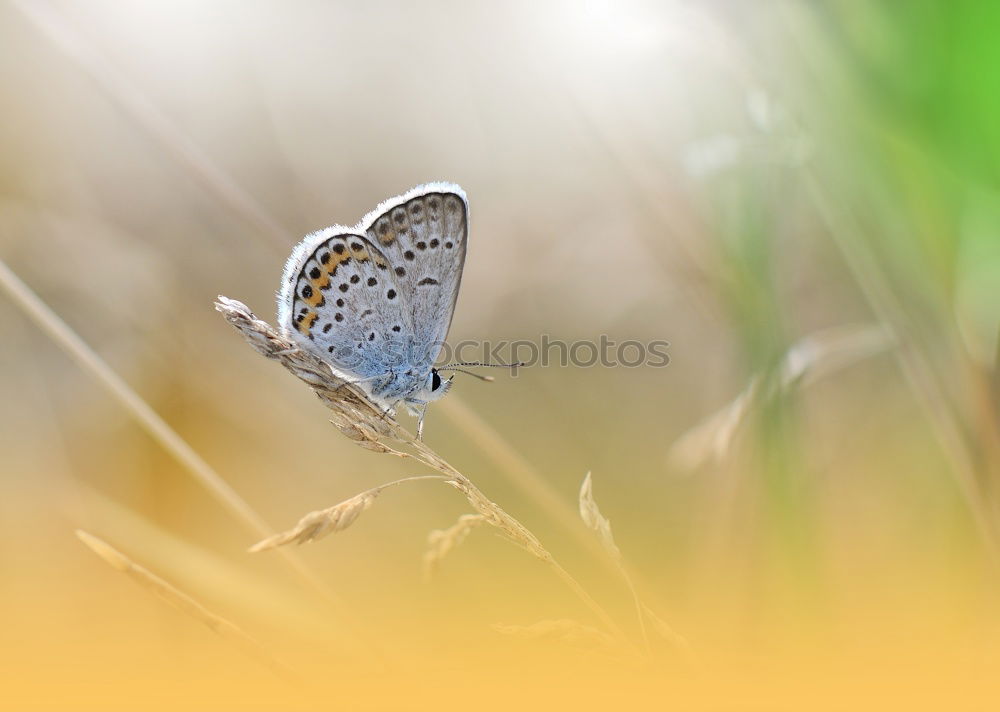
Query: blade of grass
(274, 602)
(918, 373)
(68, 340)
(183, 602)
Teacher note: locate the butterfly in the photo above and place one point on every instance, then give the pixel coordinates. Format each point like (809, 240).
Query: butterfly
(375, 301)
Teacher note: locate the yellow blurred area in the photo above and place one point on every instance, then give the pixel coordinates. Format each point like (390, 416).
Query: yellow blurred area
(809, 493)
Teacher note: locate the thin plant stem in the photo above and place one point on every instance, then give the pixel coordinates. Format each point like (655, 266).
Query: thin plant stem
(67, 39)
(587, 599)
(183, 602)
(67, 339)
(916, 370)
(515, 530)
(519, 472)
(638, 607)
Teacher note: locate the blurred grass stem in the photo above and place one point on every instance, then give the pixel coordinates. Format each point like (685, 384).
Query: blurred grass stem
(145, 416)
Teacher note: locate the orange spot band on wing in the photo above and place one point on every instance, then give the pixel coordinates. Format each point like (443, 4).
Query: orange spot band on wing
(321, 283)
(335, 261)
(306, 324)
(316, 297)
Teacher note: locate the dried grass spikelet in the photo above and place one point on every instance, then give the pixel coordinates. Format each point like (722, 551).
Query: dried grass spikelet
(563, 630)
(441, 542)
(357, 417)
(318, 524)
(710, 440)
(337, 518)
(811, 358)
(592, 517)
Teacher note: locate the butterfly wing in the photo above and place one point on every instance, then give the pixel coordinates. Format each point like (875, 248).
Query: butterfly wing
(340, 299)
(423, 234)
(376, 301)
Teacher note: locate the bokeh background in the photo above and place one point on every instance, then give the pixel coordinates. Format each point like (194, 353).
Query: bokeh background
(800, 197)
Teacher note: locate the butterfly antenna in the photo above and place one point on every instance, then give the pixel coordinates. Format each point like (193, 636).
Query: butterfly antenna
(489, 379)
(519, 364)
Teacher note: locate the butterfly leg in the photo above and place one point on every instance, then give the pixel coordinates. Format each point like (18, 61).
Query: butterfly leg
(387, 414)
(420, 423)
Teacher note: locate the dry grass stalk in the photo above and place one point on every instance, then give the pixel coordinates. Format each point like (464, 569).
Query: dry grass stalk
(971, 471)
(441, 542)
(368, 426)
(591, 515)
(147, 418)
(64, 34)
(668, 634)
(519, 471)
(337, 518)
(492, 514)
(182, 601)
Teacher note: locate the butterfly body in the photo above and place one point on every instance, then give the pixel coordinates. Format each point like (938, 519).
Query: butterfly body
(375, 301)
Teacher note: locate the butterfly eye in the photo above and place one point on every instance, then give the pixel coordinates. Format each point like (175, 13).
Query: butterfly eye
(435, 381)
